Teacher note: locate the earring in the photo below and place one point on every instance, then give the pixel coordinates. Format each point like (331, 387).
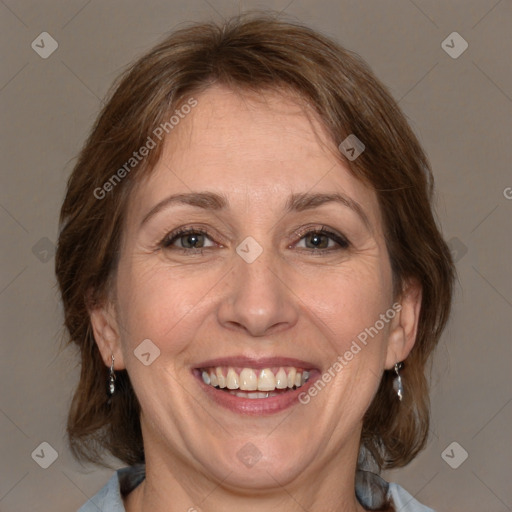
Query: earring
(397, 383)
(112, 378)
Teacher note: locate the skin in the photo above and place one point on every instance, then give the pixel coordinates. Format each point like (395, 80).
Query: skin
(289, 302)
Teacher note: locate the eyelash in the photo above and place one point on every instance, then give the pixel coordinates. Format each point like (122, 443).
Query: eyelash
(342, 242)
(176, 235)
(170, 238)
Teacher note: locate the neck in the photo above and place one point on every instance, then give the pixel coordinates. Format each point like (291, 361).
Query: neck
(177, 487)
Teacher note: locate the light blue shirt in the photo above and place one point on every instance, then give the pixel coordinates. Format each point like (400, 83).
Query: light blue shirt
(109, 499)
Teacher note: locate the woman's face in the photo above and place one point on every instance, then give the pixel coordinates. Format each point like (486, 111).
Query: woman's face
(274, 277)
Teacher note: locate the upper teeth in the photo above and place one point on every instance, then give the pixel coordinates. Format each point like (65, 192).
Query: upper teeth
(247, 379)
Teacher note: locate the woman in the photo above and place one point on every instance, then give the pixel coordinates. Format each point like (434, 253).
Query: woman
(249, 263)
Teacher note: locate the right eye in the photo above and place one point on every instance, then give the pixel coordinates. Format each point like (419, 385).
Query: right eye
(189, 239)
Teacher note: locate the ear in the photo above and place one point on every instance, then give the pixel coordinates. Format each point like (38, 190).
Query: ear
(107, 334)
(404, 326)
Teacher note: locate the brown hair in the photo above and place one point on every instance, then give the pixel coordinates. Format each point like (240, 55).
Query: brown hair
(251, 53)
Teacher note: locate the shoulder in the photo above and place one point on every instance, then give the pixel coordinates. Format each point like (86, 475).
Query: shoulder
(123, 481)
(403, 501)
(110, 497)
(375, 493)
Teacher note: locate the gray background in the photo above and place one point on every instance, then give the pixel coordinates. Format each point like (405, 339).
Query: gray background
(460, 108)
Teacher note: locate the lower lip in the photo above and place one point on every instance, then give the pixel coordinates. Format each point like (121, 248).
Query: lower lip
(257, 406)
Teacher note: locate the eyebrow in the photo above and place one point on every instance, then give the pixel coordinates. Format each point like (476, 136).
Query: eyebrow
(308, 201)
(296, 202)
(204, 200)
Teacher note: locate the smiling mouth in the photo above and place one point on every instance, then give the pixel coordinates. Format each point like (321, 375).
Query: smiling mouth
(245, 382)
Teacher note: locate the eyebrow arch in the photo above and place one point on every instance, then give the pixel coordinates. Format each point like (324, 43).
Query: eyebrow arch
(302, 202)
(296, 202)
(205, 200)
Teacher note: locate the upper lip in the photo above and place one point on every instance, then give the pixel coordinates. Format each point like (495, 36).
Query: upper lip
(256, 363)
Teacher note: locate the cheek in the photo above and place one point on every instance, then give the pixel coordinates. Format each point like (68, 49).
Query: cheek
(155, 303)
(350, 302)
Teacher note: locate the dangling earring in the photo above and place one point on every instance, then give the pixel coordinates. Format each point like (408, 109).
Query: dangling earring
(111, 378)
(397, 383)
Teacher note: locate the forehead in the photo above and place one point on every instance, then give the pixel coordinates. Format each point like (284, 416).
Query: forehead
(251, 147)
(266, 129)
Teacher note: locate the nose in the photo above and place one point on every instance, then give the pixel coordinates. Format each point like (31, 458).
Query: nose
(258, 301)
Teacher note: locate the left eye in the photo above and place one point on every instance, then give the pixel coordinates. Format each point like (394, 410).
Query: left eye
(322, 240)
